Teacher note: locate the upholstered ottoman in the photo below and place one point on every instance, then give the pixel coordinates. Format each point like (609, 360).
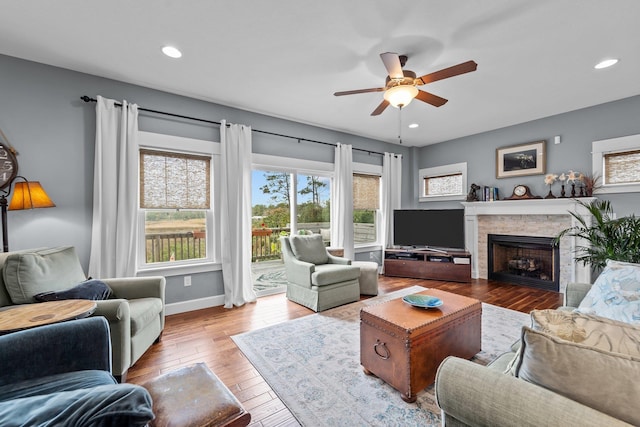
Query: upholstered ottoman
(368, 277)
(194, 396)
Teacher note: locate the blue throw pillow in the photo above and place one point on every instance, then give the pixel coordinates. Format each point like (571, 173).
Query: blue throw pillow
(615, 293)
(91, 290)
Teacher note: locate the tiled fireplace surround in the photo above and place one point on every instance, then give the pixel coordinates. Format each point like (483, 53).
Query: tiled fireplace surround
(535, 217)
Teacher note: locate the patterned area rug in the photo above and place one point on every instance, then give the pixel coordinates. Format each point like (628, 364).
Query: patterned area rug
(269, 277)
(313, 364)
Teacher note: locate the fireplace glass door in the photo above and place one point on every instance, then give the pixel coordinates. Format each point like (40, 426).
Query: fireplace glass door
(524, 260)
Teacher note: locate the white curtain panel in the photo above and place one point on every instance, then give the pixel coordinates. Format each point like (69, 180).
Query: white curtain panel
(235, 215)
(115, 191)
(342, 205)
(391, 192)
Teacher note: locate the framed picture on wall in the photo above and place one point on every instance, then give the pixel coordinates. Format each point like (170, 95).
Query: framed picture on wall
(521, 159)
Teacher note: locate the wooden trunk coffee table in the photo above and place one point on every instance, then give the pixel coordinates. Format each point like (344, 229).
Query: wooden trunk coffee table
(27, 316)
(404, 345)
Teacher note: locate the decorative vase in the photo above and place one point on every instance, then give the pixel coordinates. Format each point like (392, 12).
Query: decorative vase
(562, 193)
(550, 195)
(573, 190)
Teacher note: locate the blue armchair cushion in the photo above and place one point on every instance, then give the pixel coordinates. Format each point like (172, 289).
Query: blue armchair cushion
(309, 248)
(91, 289)
(106, 405)
(55, 383)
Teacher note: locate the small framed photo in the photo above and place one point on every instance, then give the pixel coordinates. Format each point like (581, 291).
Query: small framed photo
(521, 159)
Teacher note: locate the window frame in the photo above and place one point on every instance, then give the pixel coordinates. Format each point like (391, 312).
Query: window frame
(168, 143)
(369, 169)
(443, 170)
(612, 146)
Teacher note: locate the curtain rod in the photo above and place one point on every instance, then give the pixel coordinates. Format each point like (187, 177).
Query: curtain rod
(86, 98)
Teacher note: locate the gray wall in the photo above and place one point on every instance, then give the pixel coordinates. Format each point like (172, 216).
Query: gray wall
(53, 130)
(577, 129)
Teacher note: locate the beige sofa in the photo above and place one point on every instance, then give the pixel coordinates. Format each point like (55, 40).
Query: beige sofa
(473, 395)
(135, 310)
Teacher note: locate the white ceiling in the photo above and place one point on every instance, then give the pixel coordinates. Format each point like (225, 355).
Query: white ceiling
(286, 58)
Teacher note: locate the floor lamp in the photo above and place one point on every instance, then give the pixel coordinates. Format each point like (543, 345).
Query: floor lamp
(26, 195)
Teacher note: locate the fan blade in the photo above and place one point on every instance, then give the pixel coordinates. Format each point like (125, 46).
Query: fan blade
(383, 105)
(430, 98)
(465, 67)
(392, 64)
(353, 92)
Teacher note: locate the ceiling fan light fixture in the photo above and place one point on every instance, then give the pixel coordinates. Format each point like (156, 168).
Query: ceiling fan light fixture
(171, 51)
(400, 95)
(606, 63)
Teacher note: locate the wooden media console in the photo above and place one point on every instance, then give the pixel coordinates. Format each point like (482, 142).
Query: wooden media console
(454, 266)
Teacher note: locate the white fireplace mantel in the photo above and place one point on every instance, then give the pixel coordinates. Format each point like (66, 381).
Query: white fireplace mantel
(560, 206)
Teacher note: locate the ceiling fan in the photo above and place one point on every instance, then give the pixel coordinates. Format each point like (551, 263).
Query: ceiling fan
(400, 85)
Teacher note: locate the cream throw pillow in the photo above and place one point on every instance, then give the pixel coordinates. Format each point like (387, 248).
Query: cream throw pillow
(603, 380)
(590, 330)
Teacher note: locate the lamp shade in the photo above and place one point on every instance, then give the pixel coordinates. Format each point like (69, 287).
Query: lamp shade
(29, 195)
(400, 95)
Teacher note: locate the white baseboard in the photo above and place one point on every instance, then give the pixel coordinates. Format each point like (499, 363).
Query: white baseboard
(195, 304)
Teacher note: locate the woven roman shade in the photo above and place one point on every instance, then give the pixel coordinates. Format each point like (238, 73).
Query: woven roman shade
(443, 185)
(174, 180)
(622, 168)
(366, 192)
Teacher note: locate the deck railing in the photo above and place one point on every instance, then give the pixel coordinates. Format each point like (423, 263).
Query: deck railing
(165, 247)
(265, 243)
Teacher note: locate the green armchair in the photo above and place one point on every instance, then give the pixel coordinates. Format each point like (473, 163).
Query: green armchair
(317, 279)
(135, 310)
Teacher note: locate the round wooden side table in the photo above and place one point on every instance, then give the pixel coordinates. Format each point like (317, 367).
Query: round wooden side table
(27, 316)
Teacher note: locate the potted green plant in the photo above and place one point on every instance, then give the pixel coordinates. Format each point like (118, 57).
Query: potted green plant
(608, 238)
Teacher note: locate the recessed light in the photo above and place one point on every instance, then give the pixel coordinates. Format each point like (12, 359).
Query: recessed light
(413, 125)
(606, 63)
(171, 52)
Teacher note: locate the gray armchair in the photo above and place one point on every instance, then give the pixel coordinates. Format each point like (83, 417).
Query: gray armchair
(135, 311)
(317, 279)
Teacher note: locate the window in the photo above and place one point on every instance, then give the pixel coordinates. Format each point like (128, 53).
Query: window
(617, 162)
(446, 182)
(366, 207)
(175, 213)
(444, 185)
(288, 199)
(174, 192)
(622, 168)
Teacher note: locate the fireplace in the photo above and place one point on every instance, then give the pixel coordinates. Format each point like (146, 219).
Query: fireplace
(525, 260)
(532, 217)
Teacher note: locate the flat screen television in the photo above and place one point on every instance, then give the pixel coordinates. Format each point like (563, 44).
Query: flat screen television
(434, 228)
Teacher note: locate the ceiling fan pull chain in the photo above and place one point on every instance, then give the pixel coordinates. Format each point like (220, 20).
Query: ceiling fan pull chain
(400, 124)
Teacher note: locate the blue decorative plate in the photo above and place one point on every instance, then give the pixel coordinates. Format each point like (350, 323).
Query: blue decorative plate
(422, 301)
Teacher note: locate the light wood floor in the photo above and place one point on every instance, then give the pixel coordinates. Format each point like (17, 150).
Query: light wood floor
(205, 336)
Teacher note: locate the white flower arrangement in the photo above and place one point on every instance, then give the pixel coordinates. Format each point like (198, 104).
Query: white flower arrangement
(573, 176)
(550, 178)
